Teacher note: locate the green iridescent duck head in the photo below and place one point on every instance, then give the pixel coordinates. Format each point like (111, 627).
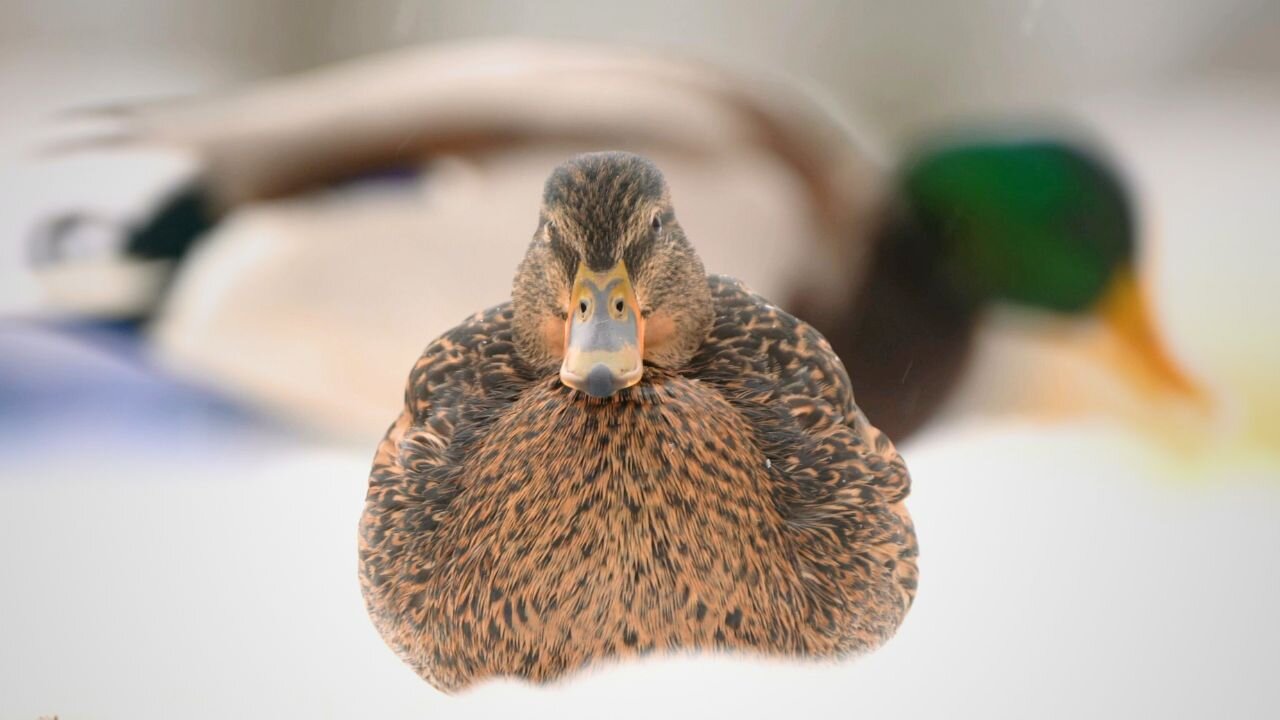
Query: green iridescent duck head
(979, 221)
(1038, 223)
(1030, 222)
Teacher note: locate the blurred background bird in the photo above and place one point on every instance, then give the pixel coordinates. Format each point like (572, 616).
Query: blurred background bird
(895, 262)
(1037, 233)
(296, 176)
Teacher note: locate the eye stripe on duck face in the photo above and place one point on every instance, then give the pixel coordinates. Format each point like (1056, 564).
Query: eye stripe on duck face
(634, 240)
(636, 247)
(563, 251)
(640, 248)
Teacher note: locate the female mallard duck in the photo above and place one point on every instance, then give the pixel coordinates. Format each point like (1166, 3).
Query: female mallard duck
(629, 456)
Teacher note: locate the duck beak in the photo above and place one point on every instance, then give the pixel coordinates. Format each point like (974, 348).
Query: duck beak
(1124, 309)
(604, 335)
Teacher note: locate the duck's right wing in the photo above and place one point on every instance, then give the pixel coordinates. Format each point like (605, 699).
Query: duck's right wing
(460, 382)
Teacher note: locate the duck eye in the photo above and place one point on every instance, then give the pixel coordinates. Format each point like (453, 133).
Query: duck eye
(657, 223)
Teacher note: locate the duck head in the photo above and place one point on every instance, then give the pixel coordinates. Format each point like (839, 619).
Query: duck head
(609, 283)
(1041, 224)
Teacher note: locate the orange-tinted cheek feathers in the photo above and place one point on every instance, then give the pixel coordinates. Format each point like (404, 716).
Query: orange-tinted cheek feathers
(659, 334)
(553, 331)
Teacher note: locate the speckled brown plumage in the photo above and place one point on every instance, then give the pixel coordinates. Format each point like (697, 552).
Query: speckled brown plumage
(741, 501)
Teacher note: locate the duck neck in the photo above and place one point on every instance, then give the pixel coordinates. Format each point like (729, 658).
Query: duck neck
(909, 330)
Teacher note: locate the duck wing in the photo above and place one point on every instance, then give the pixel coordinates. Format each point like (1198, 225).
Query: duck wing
(839, 482)
(466, 376)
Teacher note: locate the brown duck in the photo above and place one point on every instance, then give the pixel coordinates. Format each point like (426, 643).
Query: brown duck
(629, 456)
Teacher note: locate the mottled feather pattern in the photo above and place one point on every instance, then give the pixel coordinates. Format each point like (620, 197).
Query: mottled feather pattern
(516, 527)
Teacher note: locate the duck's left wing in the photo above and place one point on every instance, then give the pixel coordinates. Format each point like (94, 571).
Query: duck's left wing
(840, 483)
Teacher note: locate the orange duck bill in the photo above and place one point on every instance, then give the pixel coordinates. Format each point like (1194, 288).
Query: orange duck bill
(604, 333)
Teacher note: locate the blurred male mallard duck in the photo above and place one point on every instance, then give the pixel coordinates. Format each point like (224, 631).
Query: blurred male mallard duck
(629, 456)
(977, 221)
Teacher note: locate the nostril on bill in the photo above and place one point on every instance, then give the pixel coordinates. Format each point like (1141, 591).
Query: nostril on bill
(600, 381)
